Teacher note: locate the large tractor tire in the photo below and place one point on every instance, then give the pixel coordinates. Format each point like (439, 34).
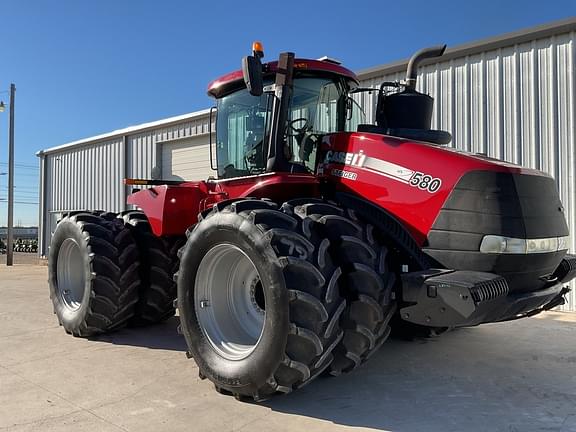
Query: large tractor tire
(367, 279)
(93, 274)
(259, 299)
(159, 261)
(401, 251)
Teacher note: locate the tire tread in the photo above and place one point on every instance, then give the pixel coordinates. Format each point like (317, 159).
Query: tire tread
(114, 278)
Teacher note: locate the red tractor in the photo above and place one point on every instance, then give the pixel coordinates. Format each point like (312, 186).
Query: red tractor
(318, 235)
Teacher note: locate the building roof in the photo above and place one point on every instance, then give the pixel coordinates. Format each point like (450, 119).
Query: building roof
(127, 131)
(476, 47)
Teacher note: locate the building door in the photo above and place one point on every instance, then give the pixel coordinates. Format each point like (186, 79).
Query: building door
(186, 159)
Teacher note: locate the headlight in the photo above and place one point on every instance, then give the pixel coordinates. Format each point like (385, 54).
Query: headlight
(494, 244)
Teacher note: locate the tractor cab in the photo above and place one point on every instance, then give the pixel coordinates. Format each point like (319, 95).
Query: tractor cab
(278, 126)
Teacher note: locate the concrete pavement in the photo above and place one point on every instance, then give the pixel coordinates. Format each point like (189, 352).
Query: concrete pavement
(518, 376)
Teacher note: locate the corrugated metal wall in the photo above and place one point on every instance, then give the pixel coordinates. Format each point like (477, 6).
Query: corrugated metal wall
(143, 154)
(90, 175)
(86, 177)
(82, 178)
(515, 103)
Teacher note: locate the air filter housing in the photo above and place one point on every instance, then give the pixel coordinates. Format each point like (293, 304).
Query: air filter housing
(408, 109)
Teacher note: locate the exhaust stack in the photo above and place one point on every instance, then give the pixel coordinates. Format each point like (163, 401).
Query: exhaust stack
(416, 59)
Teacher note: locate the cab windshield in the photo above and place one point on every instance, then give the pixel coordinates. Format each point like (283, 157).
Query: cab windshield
(318, 106)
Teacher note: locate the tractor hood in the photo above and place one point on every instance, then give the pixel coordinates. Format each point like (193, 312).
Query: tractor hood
(411, 180)
(465, 211)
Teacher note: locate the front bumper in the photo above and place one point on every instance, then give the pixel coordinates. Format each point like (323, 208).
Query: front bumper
(448, 298)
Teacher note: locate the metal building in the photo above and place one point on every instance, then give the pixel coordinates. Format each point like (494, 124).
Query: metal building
(88, 174)
(510, 97)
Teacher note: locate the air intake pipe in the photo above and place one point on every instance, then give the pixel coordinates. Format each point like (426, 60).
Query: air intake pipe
(416, 59)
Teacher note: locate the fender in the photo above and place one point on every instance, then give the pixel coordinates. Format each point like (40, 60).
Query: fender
(278, 186)
(171, 210)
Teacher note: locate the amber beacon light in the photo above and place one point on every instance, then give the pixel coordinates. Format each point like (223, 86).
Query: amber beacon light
(258, 49)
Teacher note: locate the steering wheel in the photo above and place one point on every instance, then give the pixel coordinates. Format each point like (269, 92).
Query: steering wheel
(294, 130)
(300, 129)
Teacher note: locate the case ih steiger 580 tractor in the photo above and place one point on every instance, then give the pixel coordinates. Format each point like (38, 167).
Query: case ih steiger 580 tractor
(318, 234)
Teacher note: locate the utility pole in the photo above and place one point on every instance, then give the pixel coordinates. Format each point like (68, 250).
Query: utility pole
(9, 243)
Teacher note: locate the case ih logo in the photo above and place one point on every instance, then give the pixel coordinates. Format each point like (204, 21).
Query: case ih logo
(353, 159)
(384, 168)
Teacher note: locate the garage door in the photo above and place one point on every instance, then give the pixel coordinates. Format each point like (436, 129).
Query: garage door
(186, 159)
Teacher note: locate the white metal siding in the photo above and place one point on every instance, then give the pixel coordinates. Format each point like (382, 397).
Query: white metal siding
(142, 153)
(89, 175)
(86, 178)
(186, 159)
(81, 178)
(515, 103)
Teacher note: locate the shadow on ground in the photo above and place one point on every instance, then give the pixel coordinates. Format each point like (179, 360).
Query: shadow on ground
(162, 336)
(483, 379)
(506, 377)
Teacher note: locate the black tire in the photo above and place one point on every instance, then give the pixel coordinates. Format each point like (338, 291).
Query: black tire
(368, 281)
(302, 299)
(107, 274)
(402, 252)
(159, 261)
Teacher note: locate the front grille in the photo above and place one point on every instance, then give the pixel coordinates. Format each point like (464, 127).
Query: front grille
(489, 290)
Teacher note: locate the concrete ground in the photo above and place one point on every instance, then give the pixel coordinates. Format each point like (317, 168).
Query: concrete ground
(519, 376)
(22, 258)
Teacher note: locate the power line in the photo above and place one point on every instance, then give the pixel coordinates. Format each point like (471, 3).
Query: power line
(21, 189)
(35, 175)
(25, 174)
(21, 198)
(21, 165)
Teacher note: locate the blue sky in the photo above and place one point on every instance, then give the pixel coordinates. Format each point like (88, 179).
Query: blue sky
(86, 67)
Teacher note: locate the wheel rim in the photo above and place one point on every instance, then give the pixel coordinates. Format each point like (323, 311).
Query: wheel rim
(229, 301)
(70, 274)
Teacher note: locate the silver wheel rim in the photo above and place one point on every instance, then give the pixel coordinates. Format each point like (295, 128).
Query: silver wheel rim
(229, 301)
(70, 274)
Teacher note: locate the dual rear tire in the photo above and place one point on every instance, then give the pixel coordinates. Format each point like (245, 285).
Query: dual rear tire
(93, 273)
(158, 263)
(107, 271)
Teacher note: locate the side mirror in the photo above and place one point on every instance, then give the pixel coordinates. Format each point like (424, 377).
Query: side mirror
(252, 71)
